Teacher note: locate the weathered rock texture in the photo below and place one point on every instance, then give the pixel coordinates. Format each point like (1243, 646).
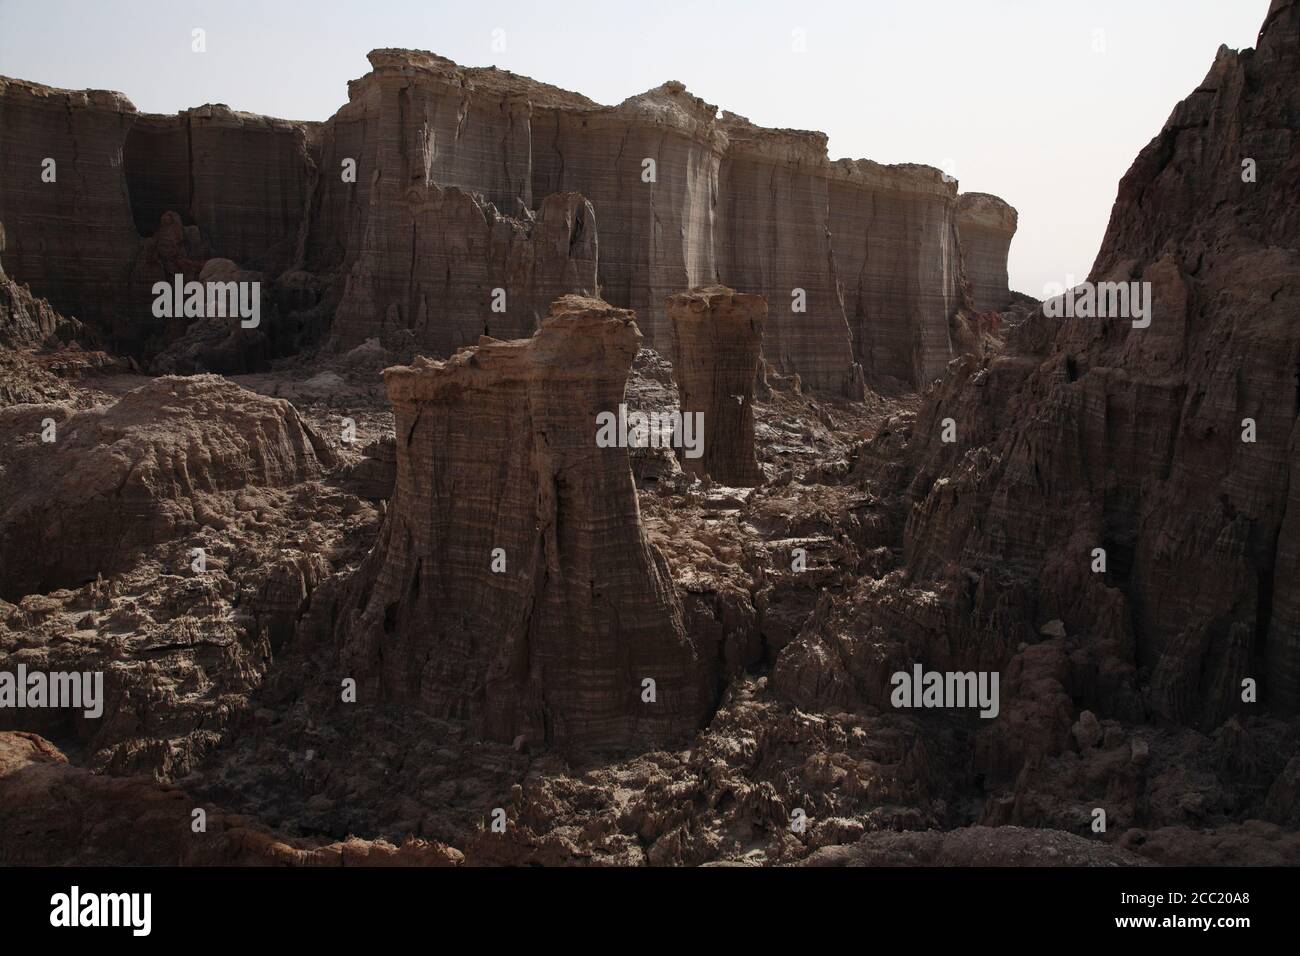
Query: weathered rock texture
(246, 180)
(496, 450)
(717, 341)
(437, 185)
(986, 225)
(899, 266)
(71, 240)
(119, 477)
(53, 813)
(1091, 433)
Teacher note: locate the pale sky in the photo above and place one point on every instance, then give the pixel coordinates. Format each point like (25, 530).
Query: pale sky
(1009, 95)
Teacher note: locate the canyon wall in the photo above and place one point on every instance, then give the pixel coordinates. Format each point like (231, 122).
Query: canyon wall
(986, 225)
(899, 266)
(436, 185)
(512, 584)
(69, 234)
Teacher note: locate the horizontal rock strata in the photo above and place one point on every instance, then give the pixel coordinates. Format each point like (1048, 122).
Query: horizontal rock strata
(717, 341)
(512, 584)
(437, 185)
(986, 225)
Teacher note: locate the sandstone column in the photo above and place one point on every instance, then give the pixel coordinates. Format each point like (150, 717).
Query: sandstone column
(717, 341)
(512, 585)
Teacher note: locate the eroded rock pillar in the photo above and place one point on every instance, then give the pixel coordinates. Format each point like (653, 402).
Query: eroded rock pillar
(717, 342)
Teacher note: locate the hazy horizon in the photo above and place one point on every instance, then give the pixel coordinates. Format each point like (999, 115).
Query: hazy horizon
(1020, 99)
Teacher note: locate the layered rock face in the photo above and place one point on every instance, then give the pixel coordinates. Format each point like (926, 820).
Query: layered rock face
(61, 164)
(445, 267)
(512, 584)
(117, 478)
(899, 266)
(441, 216)
(246, 179)
(775, 214)
(986, 225)
(443, 202)
(717, 341)
(650, 167)
(1113, 522)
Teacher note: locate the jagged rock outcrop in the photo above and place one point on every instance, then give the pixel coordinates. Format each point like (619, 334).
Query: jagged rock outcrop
(54, 813)
(116, 478)
(717, 341)
(552, 636)
(1094, 433)
(986, 224)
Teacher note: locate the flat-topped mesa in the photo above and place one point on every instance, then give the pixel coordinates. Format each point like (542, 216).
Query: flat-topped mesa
(987, 225)
(899, 265)
(512, 584)
(717, 342)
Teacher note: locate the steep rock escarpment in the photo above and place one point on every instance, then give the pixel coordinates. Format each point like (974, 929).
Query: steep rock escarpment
(63, 201)
(717, 341)
(245, 179)
(120, 477)
(512, 584)
(1098, 523)
(437, 185)
(986, 225)
(776, 241)
(650, 168)
(899, 266)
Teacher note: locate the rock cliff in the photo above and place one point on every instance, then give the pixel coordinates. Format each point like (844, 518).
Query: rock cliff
(444, 202)
(986, 225)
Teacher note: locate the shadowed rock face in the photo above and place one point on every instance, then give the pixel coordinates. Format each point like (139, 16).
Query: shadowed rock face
(438, 184)
(71, 240)
(986, 224)
(496, 449)
(1093, 434)
(120, 477)
(247, 179)
(717, 340)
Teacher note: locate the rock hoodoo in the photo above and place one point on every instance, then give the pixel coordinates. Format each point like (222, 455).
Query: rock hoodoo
(512, 584)
(717, 341)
